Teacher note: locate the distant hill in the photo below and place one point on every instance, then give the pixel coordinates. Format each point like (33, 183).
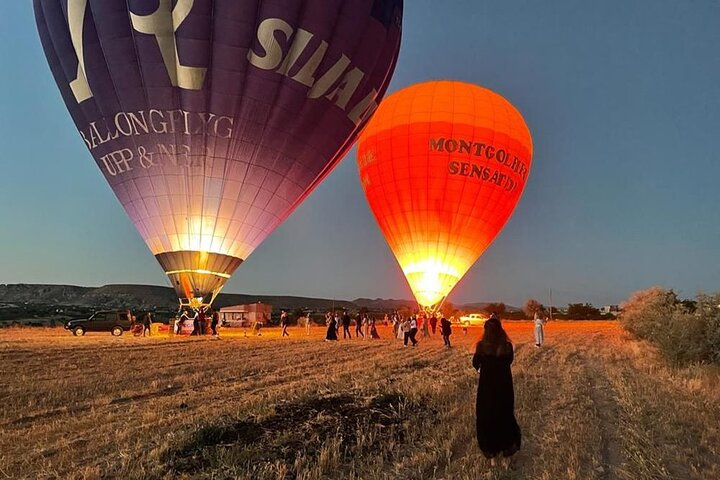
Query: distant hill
(383, 304)
(153, 296)
(145, 296)
(280, 301)
(47, 294)
(108, 296)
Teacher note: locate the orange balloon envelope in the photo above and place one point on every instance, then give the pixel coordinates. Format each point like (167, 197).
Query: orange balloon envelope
(443, 165)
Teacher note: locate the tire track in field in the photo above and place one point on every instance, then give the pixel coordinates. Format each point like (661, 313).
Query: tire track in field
(604, 398)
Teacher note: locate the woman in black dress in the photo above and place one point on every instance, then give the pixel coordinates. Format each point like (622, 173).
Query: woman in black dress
(373, 331)
(497, 430)
(331, 334)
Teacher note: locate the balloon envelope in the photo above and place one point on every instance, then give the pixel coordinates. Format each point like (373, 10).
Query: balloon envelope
(443, 165)
(213, 119)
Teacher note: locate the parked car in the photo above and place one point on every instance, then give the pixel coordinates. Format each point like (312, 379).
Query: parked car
(473, 319)
(114, 322)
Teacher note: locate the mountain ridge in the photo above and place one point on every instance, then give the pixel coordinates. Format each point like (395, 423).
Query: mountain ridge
(156, 296)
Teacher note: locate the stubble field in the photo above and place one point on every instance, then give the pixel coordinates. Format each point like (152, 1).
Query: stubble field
(592, 404)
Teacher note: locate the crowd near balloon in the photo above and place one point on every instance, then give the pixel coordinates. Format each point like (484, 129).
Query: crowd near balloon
(404, 328)
(213, 120)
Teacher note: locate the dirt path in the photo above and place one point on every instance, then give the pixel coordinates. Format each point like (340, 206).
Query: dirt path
(592, 404)
(604, 398)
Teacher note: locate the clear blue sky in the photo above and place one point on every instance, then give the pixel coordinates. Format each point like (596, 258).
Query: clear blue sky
(623, 101)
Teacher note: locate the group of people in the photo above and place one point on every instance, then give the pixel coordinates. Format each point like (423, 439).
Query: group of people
(365, 326)
(204, 320)
(407, 328)
(143, 326)
(404, 328)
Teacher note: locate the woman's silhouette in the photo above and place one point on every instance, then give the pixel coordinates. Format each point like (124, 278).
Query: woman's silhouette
(497, 430)
(331, 334)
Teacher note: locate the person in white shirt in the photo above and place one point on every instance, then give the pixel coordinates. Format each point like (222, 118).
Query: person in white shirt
(412, 332)
(539, 332)
(308, 323)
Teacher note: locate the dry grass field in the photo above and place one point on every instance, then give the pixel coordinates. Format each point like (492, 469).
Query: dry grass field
(593, 404)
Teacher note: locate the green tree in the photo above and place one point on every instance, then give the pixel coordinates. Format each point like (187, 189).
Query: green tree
(498, 308)
(448, 310)
(684, 335)
(583, 311)
(296, 315)
(532, 307)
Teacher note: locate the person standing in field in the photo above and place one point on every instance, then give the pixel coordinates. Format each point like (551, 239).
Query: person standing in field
(196, 325)
(214, 323)
(184, 317)
(405, 330)
(445, 331)
(413, 331)
(346, 320)
(539, 331)
(426, 327)
(131, 318)
(147, 322)
(207, 327)
(308, 323)
(433, 323)
(497, 429)
(284, 323)
(137, 328)
(358, 326)
(366, 325)
(373, 331)
(200, 316)
(331, 334)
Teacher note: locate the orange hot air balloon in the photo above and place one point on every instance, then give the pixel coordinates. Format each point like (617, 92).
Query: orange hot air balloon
(443, 165)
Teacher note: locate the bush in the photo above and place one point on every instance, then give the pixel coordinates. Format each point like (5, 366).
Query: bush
(685, 331)
(708, 308)
(583, 311)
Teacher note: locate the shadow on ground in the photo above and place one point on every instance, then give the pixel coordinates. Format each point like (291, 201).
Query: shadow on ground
(349, 423)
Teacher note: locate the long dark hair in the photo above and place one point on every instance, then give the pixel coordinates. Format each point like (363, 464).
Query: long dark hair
(495, 340)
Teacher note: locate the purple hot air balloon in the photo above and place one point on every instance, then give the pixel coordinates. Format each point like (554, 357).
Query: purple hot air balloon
(213, 119)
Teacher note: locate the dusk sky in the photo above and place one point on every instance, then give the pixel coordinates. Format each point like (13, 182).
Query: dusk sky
(622, 100)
